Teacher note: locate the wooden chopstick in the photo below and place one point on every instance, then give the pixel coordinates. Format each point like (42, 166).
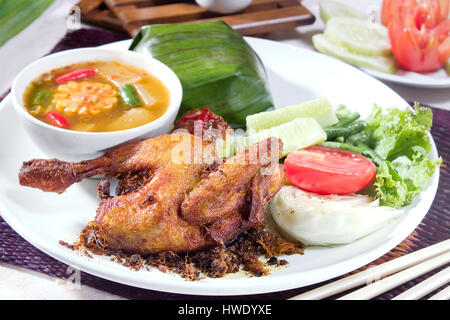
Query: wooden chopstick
(388, 283)
(444, 294)
(426, 286)
(382, 270)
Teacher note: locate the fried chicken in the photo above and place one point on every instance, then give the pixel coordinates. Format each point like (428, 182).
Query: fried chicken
(172, 193)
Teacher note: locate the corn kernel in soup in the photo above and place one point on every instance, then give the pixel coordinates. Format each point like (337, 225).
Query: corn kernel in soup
(97, 97)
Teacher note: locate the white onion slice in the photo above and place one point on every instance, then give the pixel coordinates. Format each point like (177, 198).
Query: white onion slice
(328, 220)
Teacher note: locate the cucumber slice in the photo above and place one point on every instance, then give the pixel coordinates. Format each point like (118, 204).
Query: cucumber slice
(331, 9)
(359, 36)
(447, 66)
(296, 134)
(226, 148)
(381, 63)
(319, 109)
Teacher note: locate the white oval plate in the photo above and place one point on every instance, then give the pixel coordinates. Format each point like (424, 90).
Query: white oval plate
(295, 75)
(437, 79)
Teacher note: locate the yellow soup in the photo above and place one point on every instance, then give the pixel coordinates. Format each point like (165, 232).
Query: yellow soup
(97, 96)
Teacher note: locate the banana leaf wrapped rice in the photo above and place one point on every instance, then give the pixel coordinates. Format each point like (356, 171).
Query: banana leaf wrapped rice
(216, 67)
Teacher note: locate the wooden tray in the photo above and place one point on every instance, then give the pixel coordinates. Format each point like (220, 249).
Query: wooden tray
(261, 17)
(96, 12)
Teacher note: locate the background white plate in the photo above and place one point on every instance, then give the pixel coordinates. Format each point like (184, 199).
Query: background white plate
(295, 75)
(372, 8)
(437, 79)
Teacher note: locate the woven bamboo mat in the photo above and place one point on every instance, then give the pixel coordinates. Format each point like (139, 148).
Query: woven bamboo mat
(434, 228)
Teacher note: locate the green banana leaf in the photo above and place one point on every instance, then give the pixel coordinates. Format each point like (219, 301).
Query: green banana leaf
(16, 15)
(216, 67)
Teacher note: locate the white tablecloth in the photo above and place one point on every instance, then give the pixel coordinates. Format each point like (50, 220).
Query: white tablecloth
(29, 45)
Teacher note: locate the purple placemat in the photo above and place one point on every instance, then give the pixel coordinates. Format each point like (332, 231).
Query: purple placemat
(434, 228)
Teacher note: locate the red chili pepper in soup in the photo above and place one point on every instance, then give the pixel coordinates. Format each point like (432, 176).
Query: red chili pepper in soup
(57, 120)
(75, 75)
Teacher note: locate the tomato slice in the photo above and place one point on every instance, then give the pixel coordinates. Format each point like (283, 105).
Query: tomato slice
(326, 170)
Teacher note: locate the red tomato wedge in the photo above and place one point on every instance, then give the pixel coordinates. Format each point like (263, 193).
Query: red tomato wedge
(418, 31)
(415, 50)
(425, 12)
(326, 170)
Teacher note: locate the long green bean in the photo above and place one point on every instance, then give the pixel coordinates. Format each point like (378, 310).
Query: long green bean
(360, 137)
(347, 120)
(361, 149)
(340, 145)
(333, 132)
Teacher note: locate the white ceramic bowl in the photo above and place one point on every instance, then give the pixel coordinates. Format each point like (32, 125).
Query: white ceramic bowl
(224, 6)
(74, 145)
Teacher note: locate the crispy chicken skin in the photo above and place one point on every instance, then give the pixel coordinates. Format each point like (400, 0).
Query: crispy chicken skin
(168, 200)
(226, 187)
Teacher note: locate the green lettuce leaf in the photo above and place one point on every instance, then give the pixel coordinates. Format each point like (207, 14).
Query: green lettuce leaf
(423, 116)
(397, 132)
(415, 172)
(390, 188)
(401, 138)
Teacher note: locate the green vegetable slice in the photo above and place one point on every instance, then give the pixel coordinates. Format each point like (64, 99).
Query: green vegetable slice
(381, 63)
(330, 9)
(41, 96)
(359, 36)
(319, 109)
(296, 134)
(129, 95)
(215, 65)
